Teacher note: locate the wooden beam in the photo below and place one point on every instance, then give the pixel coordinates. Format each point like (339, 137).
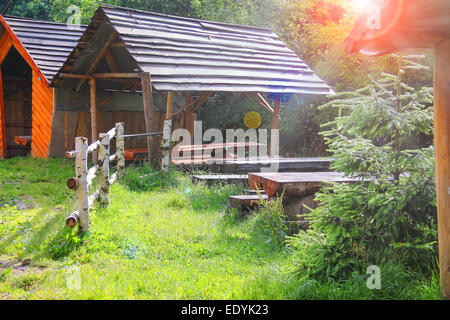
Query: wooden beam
(93, 99)
(259, 99)
(66, 136)
(201, 101)
(110, 61)
(117, 44)
(169, 105)
(275, 124)
(148, 113)
(98, 59)
(442, 155)
(264, 103)
(118, 75)
(188, 108)
(75, 76)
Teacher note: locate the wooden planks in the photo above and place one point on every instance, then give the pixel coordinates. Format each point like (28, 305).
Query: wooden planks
(211, 179)
(295, 183)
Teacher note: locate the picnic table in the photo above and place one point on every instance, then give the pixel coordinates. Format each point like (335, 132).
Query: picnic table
(297, 188)
(196, 153)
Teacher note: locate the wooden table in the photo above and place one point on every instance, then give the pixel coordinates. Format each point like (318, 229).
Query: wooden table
(295, 183)
(195, 154)
(297, 188)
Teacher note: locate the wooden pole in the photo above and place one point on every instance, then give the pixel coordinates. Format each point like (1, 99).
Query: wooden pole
(274, 138)
(189, 113)
(66, 139)
(442, 153)
(103, 168)
(81, 171)
(167, 133)
(148, 113)
(120, 150)
(94, 132)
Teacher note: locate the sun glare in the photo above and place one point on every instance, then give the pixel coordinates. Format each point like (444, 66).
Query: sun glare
(362, 5)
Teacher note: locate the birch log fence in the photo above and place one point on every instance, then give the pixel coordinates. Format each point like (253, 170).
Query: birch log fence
(84, 177)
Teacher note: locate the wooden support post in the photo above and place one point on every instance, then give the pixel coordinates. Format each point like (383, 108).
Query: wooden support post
(120, 150)
(93, 99)
(169, 105)
(81, 171)
(442, 150)
(189, 113)
(274, 137)
(66, 139)
(148, 114)
(167, 133)
(103, 168)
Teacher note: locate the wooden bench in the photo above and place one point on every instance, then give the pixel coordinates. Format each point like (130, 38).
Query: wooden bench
(223, 178)
(246, 201)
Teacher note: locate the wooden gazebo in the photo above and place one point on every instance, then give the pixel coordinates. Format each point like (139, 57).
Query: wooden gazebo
(401, 24)
(137, 61)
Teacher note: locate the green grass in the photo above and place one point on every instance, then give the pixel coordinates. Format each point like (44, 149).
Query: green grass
(162, 237)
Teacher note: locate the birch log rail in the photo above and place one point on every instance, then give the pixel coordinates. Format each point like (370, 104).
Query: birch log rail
(84, 177)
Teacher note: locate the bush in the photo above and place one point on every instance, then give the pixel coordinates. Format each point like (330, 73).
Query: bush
(391, 214)
(272, 221)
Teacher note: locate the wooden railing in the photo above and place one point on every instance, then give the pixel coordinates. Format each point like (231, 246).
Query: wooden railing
(84, 177)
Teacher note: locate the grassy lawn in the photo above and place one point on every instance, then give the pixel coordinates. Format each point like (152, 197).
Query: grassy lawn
(162, 237)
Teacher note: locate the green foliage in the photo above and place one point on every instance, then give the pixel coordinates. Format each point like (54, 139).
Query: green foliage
(57, 10)
(397, 283)
(145, 178)
(65, 242)
(271, 220)
(391, 215)
(170, 243)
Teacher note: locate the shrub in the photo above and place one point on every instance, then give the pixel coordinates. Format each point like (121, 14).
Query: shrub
(390, 215)
(272, 221)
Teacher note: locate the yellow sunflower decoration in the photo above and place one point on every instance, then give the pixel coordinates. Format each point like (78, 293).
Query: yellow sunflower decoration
(253, 120)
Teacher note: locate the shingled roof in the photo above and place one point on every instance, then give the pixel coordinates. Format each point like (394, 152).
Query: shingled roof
(184, 54)
(48, 43)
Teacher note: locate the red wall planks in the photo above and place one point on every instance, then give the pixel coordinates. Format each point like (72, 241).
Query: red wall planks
(42, 98)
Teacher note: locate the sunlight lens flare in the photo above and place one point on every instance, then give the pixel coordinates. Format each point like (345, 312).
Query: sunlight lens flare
(362, 6)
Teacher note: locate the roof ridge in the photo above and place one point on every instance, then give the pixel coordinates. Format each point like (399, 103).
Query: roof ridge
(186, 18)
(38, 20)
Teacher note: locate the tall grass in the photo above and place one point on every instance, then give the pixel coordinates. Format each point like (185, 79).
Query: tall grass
(162, 237)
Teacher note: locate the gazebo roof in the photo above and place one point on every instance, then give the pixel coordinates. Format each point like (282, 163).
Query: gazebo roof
(184, 54)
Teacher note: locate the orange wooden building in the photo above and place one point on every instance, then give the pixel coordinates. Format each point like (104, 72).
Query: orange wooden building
(31, 52)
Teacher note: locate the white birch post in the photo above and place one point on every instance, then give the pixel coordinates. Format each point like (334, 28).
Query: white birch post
(120, 150)
(103, 169)
(167, 133)
(81, 171)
